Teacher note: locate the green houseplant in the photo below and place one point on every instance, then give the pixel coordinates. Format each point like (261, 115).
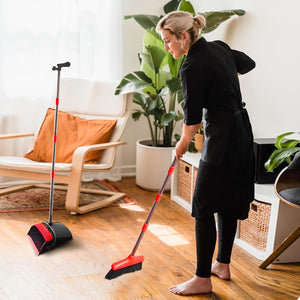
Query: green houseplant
(285, 150)
(156, 86)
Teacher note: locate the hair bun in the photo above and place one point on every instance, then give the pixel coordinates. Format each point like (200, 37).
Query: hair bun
(200, 21)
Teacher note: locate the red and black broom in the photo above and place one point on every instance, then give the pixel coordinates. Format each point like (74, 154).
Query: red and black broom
(133, 263)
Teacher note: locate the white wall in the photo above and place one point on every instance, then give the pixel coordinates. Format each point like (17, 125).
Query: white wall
(268, 33)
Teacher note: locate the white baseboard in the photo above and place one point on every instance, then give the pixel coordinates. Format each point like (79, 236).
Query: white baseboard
(127, 171)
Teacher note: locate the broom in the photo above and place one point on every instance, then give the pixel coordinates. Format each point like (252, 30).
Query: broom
(133, 263)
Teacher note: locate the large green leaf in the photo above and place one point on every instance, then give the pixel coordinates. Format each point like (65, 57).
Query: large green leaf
(147, 65)
(152, 38)
(167, 118)
(146, 21)
(150, 90)
(152, 62)
(182, 5)
(157, 57)
(215, 18)
(139, 99)
(174, 85)
(171, 6)
(186, 6)
(162, 78)
(133, 82)
(136, 115)
(175, 64)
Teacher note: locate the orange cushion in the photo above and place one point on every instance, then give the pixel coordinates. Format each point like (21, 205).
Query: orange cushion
(72, 132)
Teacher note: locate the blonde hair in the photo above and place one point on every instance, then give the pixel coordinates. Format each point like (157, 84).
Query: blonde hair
(178, 22)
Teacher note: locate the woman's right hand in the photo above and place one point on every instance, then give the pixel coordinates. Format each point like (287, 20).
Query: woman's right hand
(181, 148)
(188, 133)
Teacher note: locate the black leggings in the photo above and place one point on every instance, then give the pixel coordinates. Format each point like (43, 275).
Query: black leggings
(206, 240)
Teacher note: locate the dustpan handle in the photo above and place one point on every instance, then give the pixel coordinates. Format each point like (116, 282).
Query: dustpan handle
(58, 69)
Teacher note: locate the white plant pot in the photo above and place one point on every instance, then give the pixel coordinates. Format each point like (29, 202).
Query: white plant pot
(152, 165)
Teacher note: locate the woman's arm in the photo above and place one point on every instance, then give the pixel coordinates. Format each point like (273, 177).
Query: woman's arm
(243, 62)
(188, 133)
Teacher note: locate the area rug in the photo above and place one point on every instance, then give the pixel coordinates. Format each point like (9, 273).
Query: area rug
(38, 198)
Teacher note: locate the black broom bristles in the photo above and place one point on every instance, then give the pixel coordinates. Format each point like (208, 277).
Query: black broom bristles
(117, 273)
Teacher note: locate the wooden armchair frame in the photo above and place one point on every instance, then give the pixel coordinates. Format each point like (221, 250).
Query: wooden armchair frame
(71, 174)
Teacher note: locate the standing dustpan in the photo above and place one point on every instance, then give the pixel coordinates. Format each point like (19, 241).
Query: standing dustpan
(47, 235)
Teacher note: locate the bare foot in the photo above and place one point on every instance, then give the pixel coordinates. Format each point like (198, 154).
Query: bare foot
(221, 270)
(196, 285)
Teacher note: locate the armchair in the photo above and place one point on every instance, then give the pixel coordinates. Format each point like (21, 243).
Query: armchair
(88, 100)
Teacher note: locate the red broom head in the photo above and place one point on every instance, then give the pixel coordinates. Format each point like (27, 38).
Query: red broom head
(127, 262)
(128, 265)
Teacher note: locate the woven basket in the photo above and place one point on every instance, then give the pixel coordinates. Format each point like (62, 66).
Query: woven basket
(184, 180)
(199, 139)
(194, 178)
(254, 230)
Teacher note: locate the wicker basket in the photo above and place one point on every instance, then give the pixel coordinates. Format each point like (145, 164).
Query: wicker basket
(199, 139)
(254, 230)
(184, 180)
(194, 178)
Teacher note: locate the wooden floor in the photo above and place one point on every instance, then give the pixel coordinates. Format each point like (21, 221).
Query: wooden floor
(76, 270)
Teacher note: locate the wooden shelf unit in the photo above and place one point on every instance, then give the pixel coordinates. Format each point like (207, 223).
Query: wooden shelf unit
(282, 220)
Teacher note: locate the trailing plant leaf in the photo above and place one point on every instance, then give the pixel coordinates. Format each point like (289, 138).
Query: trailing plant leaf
(215, 18)
(284, 152)
(280, 138)
(280, 156)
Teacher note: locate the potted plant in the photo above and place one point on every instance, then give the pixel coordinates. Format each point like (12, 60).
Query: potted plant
(285, 150)
(157, 91)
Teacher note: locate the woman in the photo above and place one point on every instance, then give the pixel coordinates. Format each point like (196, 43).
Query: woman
(225, 179)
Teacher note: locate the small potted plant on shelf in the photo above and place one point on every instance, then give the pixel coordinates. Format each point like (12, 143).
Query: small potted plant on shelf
(285, 151)
(158, 94)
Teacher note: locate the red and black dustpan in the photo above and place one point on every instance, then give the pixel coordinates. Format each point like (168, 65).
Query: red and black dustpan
(46, 235)
(133, 263)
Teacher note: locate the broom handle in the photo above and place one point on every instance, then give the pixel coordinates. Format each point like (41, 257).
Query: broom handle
(157, 199)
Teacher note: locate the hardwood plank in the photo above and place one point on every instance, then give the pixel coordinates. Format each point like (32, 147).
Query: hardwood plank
(76, 270)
